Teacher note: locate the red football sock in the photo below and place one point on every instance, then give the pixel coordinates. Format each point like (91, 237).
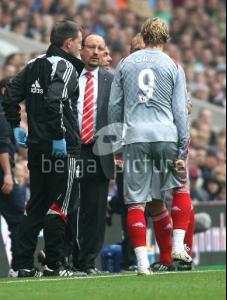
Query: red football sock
(190, 232)
(163, 231)
(137, 228)
(181, 209)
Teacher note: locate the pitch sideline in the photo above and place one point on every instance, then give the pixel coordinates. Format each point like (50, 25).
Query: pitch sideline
(104, 277)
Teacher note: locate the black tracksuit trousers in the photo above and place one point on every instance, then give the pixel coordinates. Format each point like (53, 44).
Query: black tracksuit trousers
(54, 195)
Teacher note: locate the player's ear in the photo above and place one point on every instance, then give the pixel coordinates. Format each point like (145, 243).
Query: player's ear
(68, 43)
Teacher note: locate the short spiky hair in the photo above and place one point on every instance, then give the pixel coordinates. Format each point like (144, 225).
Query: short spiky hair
(62, 31)
(155, 32)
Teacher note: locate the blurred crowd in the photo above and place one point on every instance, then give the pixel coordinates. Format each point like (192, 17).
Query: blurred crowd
(207, 160)
(198, 42)
(197, 28)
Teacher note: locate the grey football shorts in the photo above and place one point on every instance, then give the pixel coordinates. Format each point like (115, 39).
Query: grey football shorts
(150, 171)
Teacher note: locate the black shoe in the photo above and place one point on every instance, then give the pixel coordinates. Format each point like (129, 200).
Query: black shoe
(184, 267)
(93, 272)
(129, 269)
(25, 273)
(159, 268)
(62, 272)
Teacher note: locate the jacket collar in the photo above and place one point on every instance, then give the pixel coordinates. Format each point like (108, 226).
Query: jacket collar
(56, 51)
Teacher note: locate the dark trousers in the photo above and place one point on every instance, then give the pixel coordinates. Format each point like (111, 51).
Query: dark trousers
(12, 209)
(92, 225)
(54, 195)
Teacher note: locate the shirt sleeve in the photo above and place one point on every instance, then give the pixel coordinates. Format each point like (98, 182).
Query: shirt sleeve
(180, 113)
(116, 111)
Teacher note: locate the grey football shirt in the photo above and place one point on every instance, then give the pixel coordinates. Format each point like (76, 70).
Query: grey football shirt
(149, 97)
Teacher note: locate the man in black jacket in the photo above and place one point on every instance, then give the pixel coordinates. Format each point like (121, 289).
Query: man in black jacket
(49, 85)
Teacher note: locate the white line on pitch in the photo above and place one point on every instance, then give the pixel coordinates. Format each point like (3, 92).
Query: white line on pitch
(103, 277)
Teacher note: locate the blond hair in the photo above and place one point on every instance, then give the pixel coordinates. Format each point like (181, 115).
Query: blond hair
(155, 32)
(137, 43)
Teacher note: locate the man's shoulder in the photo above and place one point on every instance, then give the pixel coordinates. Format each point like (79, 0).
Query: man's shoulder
(107, 75)
(54, 60)
(63, 66)
(36, 59)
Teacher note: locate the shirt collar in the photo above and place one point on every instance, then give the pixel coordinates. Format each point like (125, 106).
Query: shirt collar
(95, 73)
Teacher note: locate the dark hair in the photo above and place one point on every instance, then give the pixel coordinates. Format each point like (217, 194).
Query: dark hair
(62, 31)
(17, 22)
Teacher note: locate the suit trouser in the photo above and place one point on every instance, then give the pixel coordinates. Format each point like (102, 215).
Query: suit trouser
(54, 190)
(12, 209)
(92, 225)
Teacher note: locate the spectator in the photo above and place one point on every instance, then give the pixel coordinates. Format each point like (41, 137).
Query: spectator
(213, 187)
(197, 27)
(217, 95)
(198, 194)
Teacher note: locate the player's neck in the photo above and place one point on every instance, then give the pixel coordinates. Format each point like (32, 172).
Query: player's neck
(158, 48)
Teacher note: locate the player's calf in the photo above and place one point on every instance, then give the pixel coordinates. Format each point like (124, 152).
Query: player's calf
(181, 211)
(163, 228)
(137, 230)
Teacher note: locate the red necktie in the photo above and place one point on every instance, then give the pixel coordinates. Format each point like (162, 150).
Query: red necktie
(87, 133)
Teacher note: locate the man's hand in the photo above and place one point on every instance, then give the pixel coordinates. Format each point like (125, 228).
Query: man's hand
(59, 149)
(7, 184)
(20, 137)
(118, 160)
(180, 165)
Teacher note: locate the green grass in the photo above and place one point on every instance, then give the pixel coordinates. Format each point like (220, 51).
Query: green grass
(205, 285)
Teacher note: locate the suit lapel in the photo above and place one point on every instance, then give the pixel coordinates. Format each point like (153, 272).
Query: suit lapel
(101, 94)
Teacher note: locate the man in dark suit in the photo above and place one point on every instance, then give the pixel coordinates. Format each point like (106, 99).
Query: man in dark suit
(98, 169)
(12, 201)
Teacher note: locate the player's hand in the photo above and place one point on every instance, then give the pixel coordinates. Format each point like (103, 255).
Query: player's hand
(180, 165)
(7, 184)
(118, 160)
(20, 137)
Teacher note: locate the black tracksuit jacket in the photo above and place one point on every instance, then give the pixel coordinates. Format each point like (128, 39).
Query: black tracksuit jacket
(49, 86)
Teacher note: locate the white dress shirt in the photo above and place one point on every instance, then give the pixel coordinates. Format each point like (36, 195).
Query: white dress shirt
(82, 85)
